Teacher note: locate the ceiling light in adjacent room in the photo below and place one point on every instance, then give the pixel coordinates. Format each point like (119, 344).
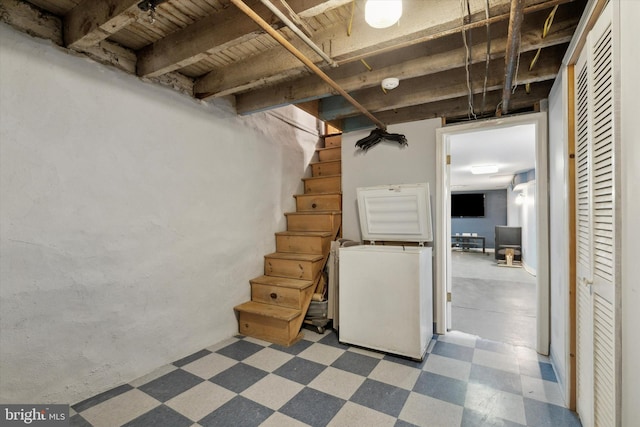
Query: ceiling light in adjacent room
(382, 13)
(484, 169)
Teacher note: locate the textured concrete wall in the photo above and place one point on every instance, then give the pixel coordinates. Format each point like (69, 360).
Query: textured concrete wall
(132, 218)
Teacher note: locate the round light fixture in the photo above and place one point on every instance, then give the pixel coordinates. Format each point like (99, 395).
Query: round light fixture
(390, 83)
(382, 13)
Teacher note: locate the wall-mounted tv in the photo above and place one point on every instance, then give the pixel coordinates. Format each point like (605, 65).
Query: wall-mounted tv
(467, 205)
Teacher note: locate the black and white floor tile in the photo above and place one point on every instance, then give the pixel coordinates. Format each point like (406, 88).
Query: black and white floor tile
(463, 381)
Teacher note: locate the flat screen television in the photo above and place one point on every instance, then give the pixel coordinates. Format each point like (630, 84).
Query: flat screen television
(467, 205)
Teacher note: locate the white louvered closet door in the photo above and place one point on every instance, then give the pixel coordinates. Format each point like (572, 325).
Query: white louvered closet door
(597, 355)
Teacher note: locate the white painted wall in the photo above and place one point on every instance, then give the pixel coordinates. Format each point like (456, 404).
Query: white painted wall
(627, 14)
(559, 232)
(387, 163)
(132, 218)
(529, 229)
(514, 210)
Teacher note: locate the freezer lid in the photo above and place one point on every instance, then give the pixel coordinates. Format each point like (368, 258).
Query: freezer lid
(400, 213)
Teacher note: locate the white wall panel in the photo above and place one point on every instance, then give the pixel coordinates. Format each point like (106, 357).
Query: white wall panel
(559, 232)
(626, 16)
(386, 163)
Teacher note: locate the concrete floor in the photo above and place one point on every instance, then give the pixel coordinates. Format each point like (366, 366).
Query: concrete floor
(493, 302)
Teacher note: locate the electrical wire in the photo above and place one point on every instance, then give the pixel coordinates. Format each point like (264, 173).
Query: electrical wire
(514, 85)
(353, 9)
(545, 30)
(349, 29)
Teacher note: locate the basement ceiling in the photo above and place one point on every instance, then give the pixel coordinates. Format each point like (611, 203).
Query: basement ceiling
(457, 59)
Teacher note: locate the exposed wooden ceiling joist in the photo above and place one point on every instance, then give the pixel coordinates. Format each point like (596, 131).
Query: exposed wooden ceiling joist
(92, 21)
(444, 85)
(364, 41)
(452, 109)
(210, 35)
(208, 48)
(310, 87)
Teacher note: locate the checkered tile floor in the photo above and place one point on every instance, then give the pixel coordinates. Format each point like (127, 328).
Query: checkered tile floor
(463, 381)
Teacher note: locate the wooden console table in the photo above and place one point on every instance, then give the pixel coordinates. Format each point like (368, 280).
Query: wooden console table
(466, 241)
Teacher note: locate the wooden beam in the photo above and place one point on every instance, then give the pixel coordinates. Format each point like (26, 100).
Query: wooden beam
(320, 8)
(452, 109)
(444, 85)
(306, 61)
(421, 21)
(124, 59)
(92, 21)
(27, 18)
(572, 213)
(195, 42)
(310, 87)
(512, 56)
(208, 36)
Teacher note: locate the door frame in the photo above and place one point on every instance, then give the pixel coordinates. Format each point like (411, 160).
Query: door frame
(443, 220)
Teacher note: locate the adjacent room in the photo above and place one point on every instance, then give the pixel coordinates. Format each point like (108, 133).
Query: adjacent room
(492, 176)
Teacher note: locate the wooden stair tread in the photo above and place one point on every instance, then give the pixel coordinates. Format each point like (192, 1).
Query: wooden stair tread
(268, 310)
(328, 193)
(295, 256)
(326, 161)
(305, 233)
(313, 213)
(284, 282)
(311, 178)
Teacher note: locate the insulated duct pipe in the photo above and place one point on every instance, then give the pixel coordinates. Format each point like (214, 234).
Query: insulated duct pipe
(513, 51)
(306, 61)
(298, 32)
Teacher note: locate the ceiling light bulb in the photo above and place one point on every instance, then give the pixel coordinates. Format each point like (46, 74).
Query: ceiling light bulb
(484, 169)
(382, 13)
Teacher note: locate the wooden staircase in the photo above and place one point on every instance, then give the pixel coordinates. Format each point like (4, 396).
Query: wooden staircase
(281, 297)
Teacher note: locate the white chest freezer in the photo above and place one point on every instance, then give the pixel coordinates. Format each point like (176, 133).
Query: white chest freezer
(385, 292)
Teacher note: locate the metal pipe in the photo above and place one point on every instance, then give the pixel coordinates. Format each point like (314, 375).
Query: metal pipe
(296, 19)
(306, 61)
(513, 50)
(299, 32)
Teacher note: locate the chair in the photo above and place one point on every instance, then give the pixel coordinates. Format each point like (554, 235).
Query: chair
(508, 238)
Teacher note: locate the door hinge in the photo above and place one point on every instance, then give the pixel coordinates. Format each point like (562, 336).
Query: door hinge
(448, 296)
(448, 159)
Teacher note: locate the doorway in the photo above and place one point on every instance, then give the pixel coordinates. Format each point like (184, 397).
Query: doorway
(444, 263)
(492, 182)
